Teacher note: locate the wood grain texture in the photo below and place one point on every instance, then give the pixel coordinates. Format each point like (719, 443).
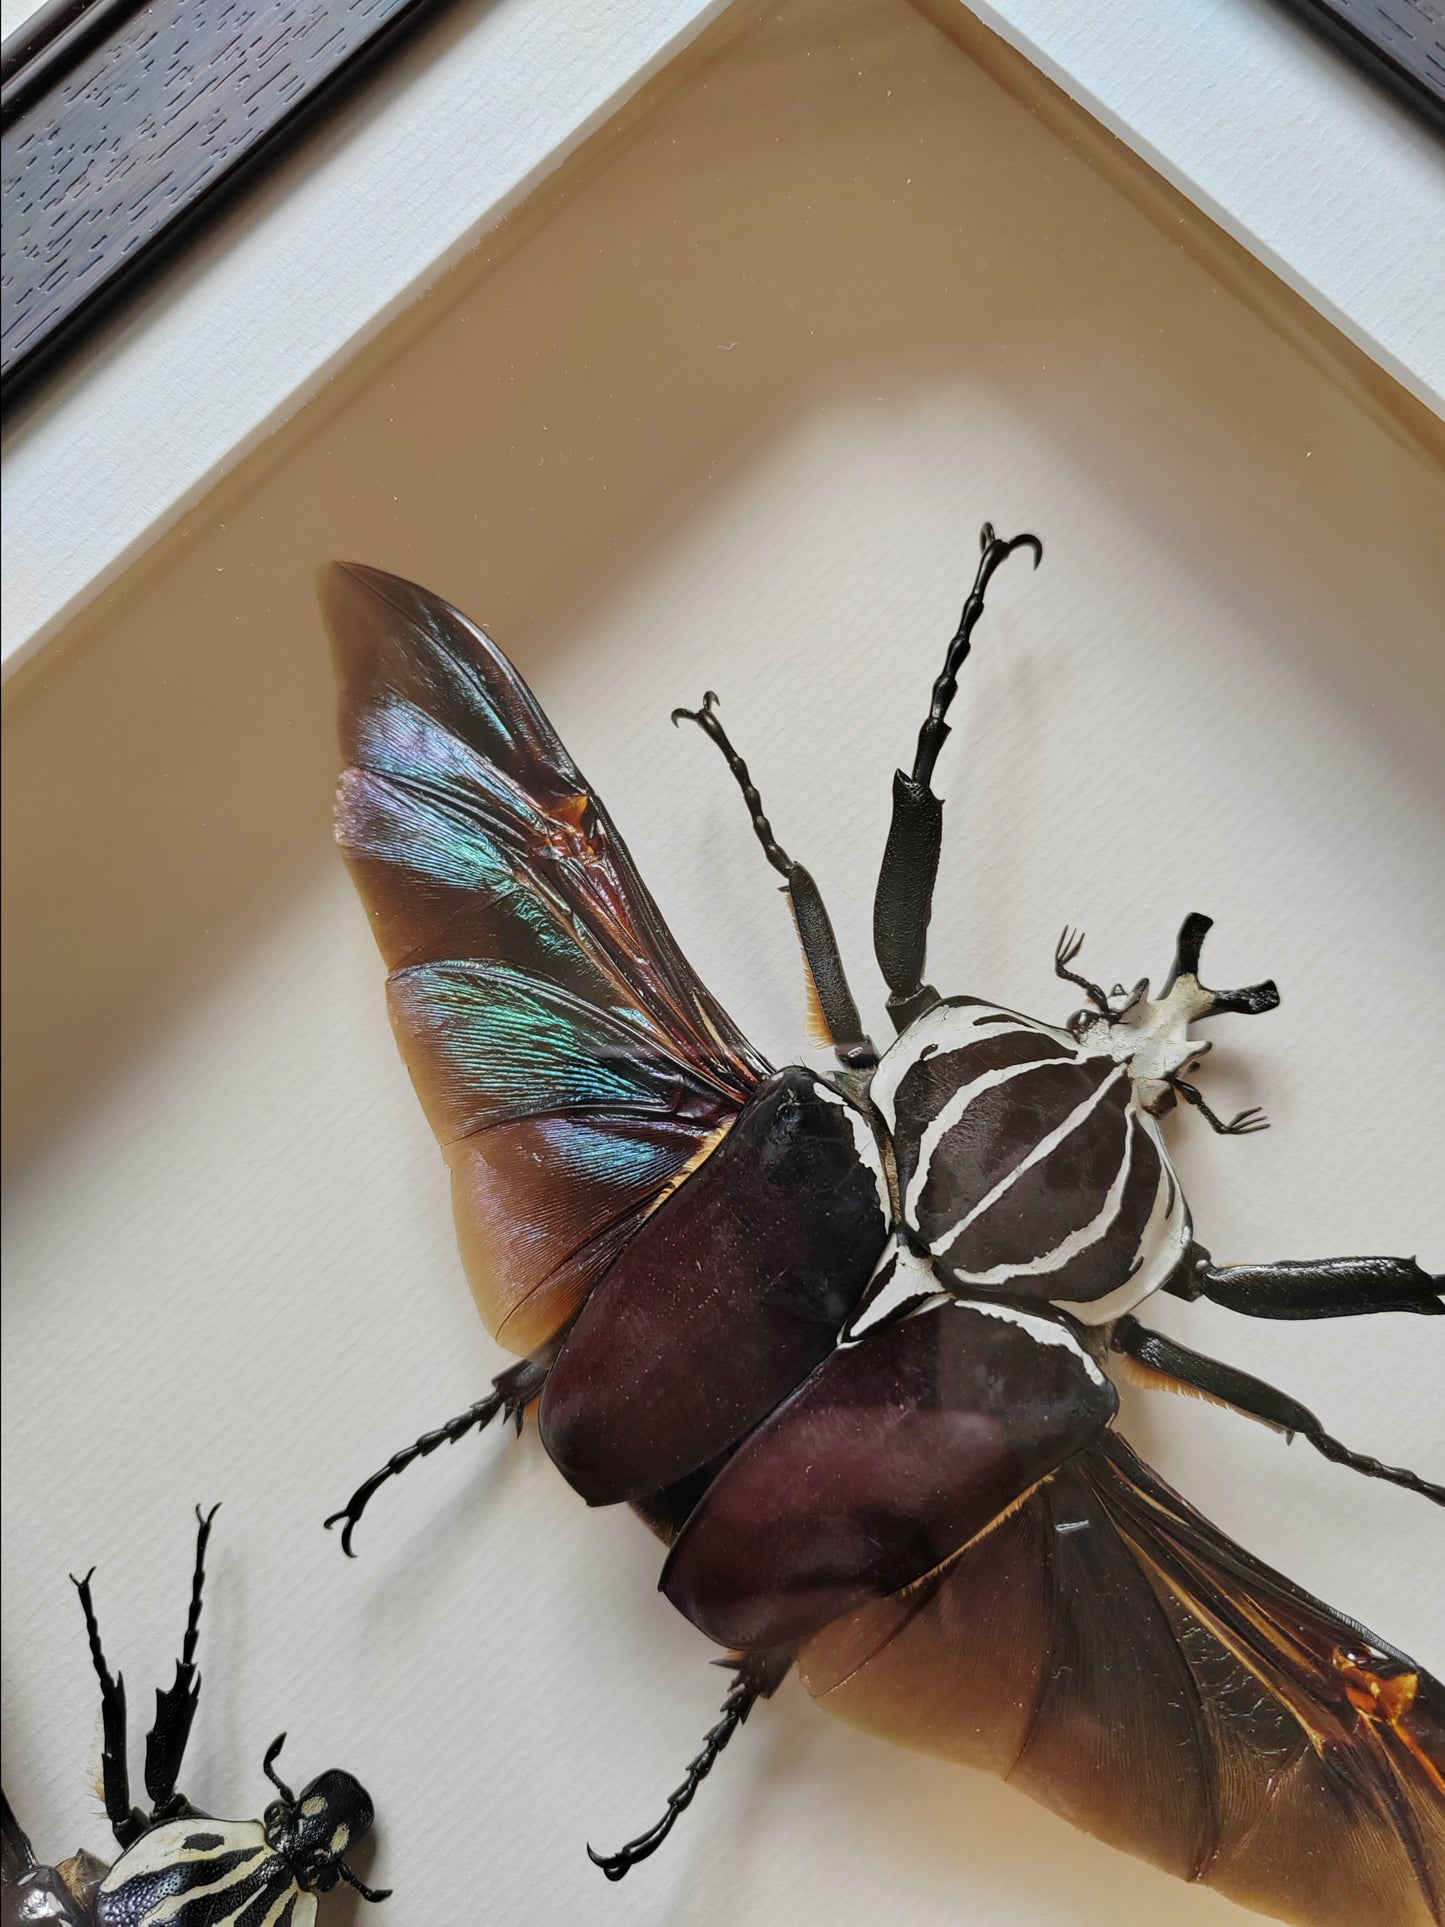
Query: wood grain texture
(112, 163)
(1402, 42)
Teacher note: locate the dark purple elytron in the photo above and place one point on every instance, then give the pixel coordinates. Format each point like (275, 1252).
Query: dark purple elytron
(841, 1339)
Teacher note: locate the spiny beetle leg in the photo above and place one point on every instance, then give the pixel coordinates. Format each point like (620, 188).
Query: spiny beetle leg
(176, 1706)
(903, 902)
(1240, 1125)
(512, 1392)
(127, 1823)
(821, 956)
(1310, 1287)
(1254, 1399)
(756, 1676)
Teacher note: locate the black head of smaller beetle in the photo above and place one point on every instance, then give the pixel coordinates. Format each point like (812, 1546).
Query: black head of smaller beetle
(1151, 1034)
(312, 1830)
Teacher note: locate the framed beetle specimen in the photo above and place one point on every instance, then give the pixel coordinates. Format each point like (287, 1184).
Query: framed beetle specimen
(217, 1164)
(176, 1864)
(840, 1339)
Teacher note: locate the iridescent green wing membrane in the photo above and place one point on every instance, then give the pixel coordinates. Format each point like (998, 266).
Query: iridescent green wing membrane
(569, 1060)
(1110, 1652)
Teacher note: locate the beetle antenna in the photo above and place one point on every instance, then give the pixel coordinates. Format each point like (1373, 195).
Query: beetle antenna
(367, 1893)
(758, 1676)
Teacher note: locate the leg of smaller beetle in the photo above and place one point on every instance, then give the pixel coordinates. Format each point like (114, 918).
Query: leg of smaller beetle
(512, 1392)
(127, 1823)
(373, 1894)
(756, 1676)
(268, 1767)
(831, 997)
(1240, 1125)
(1163, 1358)
(176, 1706)
(903, 902)
(1310, 1287)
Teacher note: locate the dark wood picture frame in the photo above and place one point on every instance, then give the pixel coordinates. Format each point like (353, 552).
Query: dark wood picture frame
(128, 123)
(1401, 43)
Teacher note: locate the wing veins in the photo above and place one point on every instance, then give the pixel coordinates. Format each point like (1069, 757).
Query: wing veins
(1361, 1744)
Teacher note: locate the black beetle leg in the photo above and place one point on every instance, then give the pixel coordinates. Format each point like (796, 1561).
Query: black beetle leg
(512, 1392)
(903, 902)
(1310, 1287)
(176, 1707)
(1255, 1399)
(1067, 948)
(756, 1676)
(372, 1894)
(821, 956)
(127, 1823)
(268, 1767)
(1240, 1125)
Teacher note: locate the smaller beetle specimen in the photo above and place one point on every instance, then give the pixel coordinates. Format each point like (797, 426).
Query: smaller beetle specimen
(177, 1865)
(839, 1337)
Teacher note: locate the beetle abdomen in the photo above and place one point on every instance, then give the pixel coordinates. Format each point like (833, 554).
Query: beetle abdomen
(1024, 1162)
(203, 1873)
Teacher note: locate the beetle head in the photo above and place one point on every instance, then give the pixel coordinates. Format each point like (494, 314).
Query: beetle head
(312, 1831)
(1151, 1034)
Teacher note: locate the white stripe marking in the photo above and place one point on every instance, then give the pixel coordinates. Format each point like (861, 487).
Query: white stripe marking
(1068, 1247)
(866, 1142)
(1161, 1244)
(952, 1112)
(949, 1027)
(1043, 1330)
(163, 1847)
(913, 1281)
(1049, 1142)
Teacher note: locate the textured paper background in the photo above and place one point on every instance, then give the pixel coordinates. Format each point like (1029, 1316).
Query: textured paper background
(729, 418)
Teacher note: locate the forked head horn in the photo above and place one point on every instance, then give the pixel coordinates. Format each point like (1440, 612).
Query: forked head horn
(1248, 1002)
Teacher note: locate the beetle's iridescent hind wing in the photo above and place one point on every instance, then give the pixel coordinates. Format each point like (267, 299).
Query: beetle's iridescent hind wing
(1110, 1652)
(570, 1061)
